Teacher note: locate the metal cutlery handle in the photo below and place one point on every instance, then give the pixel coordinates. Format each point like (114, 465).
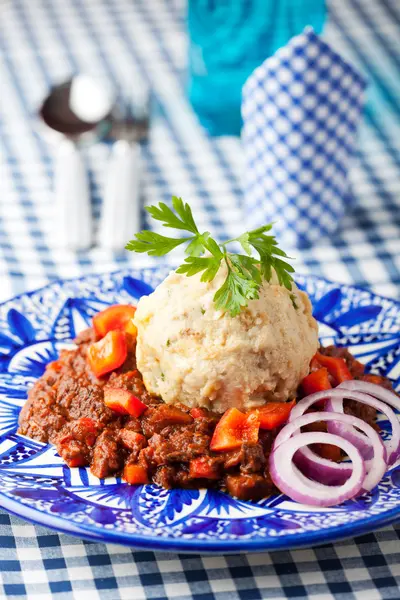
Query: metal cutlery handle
(73, 218)
(120, 217)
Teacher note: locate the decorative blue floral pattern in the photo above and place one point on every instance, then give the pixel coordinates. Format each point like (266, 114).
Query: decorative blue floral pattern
(37, 485)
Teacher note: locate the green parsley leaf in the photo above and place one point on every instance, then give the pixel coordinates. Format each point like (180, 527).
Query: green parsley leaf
(197, 246)
(235, 293)
(154, 243)
(247, 266)
(245, 273)
(244, 242)
(183, 219)
(283, 270)
(209, 265)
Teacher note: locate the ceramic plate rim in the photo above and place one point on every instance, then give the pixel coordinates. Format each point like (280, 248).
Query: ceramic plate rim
(80, 530)
(203, 546)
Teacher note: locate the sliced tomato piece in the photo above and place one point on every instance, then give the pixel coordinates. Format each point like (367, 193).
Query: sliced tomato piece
(108, 354)
(203, 467)
(135, 475)
(337, 367)
(233, 429)
(123, 402)
(118, 316)
(273, 414)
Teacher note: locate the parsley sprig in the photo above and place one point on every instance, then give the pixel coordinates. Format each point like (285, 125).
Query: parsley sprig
(245, 273)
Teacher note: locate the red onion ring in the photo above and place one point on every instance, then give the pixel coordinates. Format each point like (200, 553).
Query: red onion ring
(322, 469)
(387, 396)
(376, 468)
(359, 440)
(374, 390)
(290, 481)
(332, 472)
(305, 403)
(355, 437)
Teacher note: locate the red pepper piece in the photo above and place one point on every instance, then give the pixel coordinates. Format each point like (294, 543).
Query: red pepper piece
(198, 412)
(233, 429)
(135, 475)
(317, 381)
(274, 414)
(203, 467)
(108, 354)
(314, 364)
(118, 316)
(123, 402)
(337, 367)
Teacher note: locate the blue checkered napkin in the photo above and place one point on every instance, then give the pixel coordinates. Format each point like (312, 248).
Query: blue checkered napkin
(300, 111)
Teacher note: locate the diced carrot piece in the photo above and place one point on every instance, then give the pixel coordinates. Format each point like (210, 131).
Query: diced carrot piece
(337, 367)
(233, 429)
(108, 354)
(123, 401)
(273, 414)
(135, 475)
(203, 467)
(118, 316)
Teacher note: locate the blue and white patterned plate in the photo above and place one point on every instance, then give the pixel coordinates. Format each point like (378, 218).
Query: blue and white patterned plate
(36, 485)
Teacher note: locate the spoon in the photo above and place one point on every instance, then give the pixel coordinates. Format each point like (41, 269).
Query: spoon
(79, 109)
(75, 112)
(82, 110)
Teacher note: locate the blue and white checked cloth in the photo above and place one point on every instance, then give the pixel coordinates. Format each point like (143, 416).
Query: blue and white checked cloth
(43, 41)
(301, 109)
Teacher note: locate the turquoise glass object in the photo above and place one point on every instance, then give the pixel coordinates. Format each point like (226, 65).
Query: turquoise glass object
(228, 39)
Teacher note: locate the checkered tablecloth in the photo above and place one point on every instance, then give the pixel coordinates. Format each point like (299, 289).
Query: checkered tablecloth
(44, 41)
